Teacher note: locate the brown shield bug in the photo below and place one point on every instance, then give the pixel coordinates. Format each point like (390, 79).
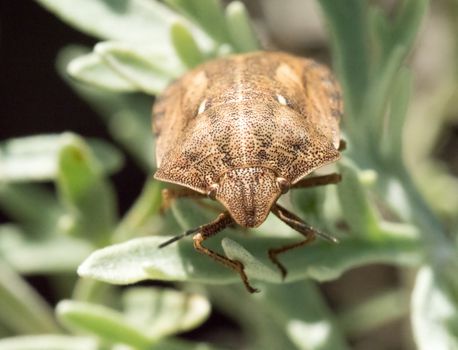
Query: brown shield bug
(244, 130)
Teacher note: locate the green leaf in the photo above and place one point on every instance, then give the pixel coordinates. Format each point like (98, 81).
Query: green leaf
(377, 98)
(141, 259)
(347, 24)
(175, 344)
(402, 30)
(21, 308)
(92, 70)
(357, 210)
(208, 14)
(53, 254)
(139, 215)
(391, 146)
(49, 342)
(20, 203)
(101, 321)
(131, 126)
(148, 70)
(254, 317)
(183, 6)
(185, 46)
(87, 194)
(140, 21)
(253, 267)
(34, 158)
(434, 313)
(163, 312)
(128, 116)
(240, 29)
(319, 207)
(374, 313)
(302, 312)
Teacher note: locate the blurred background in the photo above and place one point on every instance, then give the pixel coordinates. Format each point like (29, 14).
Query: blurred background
(34, 100)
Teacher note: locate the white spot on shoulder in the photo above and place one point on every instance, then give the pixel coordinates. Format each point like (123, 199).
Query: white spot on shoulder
(282, 100)
(202, 107)
(285, 73)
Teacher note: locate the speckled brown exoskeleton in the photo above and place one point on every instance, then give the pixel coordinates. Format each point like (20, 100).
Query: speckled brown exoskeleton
(243, 130)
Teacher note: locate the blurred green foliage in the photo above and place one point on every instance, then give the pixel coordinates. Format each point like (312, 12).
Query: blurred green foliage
(146, 45)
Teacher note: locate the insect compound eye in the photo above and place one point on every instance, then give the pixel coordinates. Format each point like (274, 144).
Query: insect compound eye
(283, 184)
(212, 191)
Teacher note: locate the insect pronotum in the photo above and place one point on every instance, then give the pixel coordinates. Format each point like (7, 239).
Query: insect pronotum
(243, 130)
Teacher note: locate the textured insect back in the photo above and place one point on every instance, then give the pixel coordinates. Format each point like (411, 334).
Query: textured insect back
(248, 194)
(244, 130)
(175, 109)
(324, 96)
(165, 112)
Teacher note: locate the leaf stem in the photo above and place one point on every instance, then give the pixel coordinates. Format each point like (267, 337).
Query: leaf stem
(375, 312)
(146, 206)
(21, 308)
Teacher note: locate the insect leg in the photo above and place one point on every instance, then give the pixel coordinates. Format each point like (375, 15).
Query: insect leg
(300, 226)
(170, 194)
(211, 229)
(318, 181)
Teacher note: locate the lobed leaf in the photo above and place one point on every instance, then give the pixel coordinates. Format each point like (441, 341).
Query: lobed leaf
(53, 254)
(434, 315)
(149, 70)
(307, 321)
(185, 45)
(49, 342)
(183, 6)
(377, 311)
(141, 259)
(402, 30)
(391, 146)
(208, 14)
(20, 201)
(357, 210)
(101, 321)
(377, 97)
(253, 266)
(175, 344)
(139, 21)
(34, 158)
(255, 319)
(347, 25)
(128, 116)
(311, 202)
(88, 195)
(92, 70)
(21, 308)
(146, 206)
(163, 312)
(241, 33)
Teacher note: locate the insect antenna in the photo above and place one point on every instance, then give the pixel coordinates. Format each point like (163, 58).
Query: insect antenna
(327, 237)
(296, 223)
(178, 237)
(318, 233)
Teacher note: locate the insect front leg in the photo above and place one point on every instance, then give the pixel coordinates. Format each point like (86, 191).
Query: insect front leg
(318, 181)
(300, 226)
(171, 194)
(206, 231)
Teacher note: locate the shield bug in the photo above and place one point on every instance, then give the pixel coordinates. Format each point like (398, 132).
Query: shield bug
(243, 130)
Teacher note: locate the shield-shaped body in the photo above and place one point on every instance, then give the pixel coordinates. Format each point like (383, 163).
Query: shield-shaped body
(239, 124)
